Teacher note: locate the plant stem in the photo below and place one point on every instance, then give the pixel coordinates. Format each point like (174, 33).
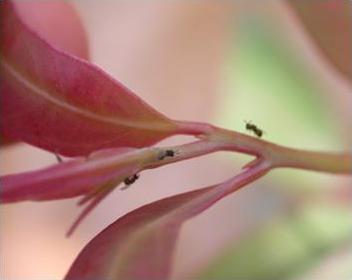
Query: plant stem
(317, 161)
(218, 139)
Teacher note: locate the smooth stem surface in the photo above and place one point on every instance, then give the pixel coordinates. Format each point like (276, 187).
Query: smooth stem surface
(218, 139)
(317, 161)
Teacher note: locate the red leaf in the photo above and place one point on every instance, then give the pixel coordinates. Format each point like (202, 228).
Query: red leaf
(140, 244)
(329, 24)
(61, 103)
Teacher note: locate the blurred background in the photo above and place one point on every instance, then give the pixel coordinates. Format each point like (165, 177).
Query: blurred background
(223, 62)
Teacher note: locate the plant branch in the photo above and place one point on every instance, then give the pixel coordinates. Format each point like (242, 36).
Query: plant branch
(215, 139)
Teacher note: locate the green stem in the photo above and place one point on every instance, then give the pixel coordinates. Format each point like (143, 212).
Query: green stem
(310, 160)
(218, 139)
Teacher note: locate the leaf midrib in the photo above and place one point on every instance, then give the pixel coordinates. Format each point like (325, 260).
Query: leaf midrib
(159, 126)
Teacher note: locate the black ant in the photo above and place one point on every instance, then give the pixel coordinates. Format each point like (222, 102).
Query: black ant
(167, 153)
(252, 127)
(130, 180)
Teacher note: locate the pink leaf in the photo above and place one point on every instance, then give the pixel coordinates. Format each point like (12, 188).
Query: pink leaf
(94, 177)
(140, 245)
(61, 103)
(69, 179)
(58, 23)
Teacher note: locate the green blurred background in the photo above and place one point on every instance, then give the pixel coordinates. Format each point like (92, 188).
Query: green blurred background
(268, 84)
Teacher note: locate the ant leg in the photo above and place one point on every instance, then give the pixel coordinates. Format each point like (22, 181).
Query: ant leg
(58, 158)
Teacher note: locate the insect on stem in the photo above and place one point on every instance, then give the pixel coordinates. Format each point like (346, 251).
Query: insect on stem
(165, 154)
(256, 130)
(129, 181)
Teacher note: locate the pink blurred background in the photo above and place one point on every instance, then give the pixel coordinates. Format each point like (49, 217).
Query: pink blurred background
(172, 54)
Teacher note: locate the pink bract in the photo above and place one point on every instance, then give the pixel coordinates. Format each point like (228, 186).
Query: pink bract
(64, 104)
